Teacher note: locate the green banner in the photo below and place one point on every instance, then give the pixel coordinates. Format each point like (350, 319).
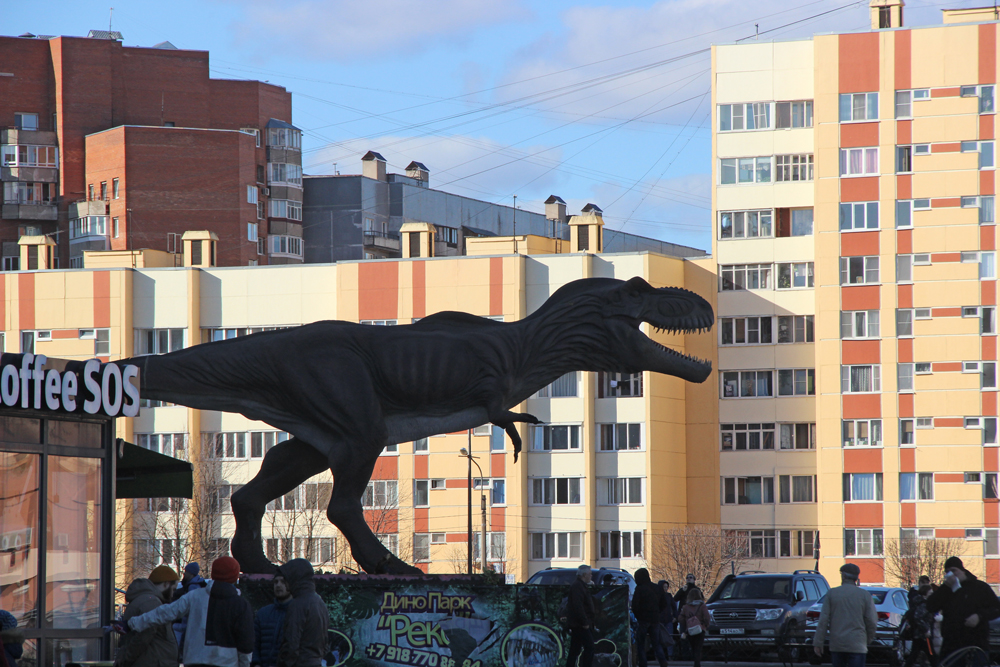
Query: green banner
(455, 621)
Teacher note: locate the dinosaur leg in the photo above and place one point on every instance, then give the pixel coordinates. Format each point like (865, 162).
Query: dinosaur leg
(285, 466)
(506, 420)
(350, 478)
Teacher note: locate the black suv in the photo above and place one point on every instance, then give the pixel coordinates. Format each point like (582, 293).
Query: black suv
(763, 611)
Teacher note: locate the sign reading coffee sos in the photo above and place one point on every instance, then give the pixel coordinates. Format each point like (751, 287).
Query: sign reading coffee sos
(31, 381)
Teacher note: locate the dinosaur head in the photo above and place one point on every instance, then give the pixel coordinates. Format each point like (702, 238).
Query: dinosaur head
(621, 307)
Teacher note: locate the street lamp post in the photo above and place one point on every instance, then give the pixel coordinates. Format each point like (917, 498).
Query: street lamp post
(466, 453)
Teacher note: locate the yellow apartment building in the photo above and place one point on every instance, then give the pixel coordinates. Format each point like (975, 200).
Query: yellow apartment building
(618, 459)
(854, 212)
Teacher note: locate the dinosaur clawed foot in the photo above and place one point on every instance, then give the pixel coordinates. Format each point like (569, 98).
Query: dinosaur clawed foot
(251, 557)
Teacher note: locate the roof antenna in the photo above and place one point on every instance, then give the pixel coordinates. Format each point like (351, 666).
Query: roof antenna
(756, 30)
(111, 16)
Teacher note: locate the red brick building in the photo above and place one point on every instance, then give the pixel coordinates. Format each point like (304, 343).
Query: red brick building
(104, 146)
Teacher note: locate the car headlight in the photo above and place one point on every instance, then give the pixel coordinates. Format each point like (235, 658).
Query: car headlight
(769, 614)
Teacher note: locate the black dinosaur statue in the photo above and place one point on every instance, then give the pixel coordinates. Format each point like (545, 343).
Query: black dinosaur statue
(344, 391)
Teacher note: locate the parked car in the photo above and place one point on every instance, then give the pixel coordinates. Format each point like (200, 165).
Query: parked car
(566, 575)
(890, 605)
(763, 612)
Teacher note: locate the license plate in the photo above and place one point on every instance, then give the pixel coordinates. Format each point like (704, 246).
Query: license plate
(730, 631)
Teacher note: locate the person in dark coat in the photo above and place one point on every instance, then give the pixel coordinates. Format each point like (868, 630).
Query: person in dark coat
(306, 619)
(155, 646)
(920, 620)
(648, 601)
(668, 616)
(11, 637)
(680, 599)
(914, 594)
(580, 614)
(967, 604)
(269, 626)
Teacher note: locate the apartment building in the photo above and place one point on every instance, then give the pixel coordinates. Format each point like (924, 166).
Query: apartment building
(854, 213)
(618, 460)
(108, 147)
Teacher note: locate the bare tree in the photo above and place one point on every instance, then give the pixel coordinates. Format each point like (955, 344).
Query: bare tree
(706, 551)
(906, 559)
(296, 521)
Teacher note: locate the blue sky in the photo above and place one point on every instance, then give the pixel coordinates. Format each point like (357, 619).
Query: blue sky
(596, 102)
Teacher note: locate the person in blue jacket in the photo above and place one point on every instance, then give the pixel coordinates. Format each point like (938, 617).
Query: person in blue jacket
(269, 626)
(11, 637)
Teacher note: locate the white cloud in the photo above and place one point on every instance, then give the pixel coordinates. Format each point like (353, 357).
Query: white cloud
(351, 31)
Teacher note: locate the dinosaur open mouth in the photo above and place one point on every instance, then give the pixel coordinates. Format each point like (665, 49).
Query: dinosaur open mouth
(680, 355)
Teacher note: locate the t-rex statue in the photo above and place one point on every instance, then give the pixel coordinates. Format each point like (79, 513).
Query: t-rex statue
(344, 391)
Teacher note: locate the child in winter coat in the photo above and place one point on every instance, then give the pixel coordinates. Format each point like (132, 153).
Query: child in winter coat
(693, 622)
(921, 622)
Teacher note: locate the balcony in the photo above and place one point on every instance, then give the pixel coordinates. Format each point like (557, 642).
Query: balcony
(11, 135)
(29, 212)
(382, 240)
(82, 209)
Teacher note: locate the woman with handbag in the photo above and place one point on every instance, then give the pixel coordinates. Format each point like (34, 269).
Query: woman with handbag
(693, 621)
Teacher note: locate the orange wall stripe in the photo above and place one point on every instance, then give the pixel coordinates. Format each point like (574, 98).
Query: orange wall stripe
(907, 459)
(419, 288)
(378, 290)
(987, 53)
(948, 422)
(987, 183)
(990, 397)
(872, 569)
(386, 467)
(990, 462)
(946, 148)
(989, 293)
(901, 47)
(421, 519)
(860, 297)
(858, 134)
(904, 132)
(498, 464)
(860, 352)
(26, 301)
(904, 241)
(496, 285)
(908, 515)
(987, 238)
(859, 62)
(862, 406)
(863, 515)
(945, 92)
(906, 405)
(905, 346)
(859, 189)
(420, 466)
(986, 125)
(102, 299)
(949, 477)
(859, 243)
(904, 186)
(949, 532)
(498, 520)
(862, 460)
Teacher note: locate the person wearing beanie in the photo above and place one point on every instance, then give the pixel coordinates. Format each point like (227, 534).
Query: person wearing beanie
(11, 637)
(154, 647)
(967, 605)
(306, 620)
(849, 615)
(220, 622)
(269, 626)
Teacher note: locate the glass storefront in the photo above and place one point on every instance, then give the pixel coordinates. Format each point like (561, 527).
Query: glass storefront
(56, 484)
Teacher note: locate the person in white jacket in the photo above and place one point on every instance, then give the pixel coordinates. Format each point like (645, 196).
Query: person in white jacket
(220, 622)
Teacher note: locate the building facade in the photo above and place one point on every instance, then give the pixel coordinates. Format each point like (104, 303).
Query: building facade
(855, 238)
(107, 147)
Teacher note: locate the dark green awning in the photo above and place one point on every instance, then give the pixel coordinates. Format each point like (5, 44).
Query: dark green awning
(146, 474)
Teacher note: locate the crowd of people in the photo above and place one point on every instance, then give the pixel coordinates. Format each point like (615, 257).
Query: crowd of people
(170, 620)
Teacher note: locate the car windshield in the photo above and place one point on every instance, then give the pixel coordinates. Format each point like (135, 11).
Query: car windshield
(757, 588)
(554, 578)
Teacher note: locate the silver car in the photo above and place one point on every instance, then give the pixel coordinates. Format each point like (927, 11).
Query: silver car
(890, 605)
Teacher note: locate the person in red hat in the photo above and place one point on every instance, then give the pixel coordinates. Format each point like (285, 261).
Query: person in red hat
(220, 622)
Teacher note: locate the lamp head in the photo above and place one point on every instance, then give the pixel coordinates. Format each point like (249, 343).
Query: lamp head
(463, 451)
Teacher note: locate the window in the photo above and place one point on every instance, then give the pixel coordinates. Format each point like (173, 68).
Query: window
(286, 208)
(286, 174)
(563, 387)
(859, 324)
(171, 444)
(904, 377)
(925, 422)
(102, 342)
(546, 546)
(438, 484)
(803, 542)
(904, 322)
(497, 443)
(620, 544)
(25, 193)
(619, 491)
(755, 543)
(158, 341)
(744, 437)
(556, 490)
(859, 161)
(987, 265)
(745, 277)
(420, 445)
(498, 492)
(984, 93)
(793, 114)
(988, 320)
(751, 116)
(87, 226)
(795, 329)
(802, 222)
(286, 245)
(619, 385)
(449, 235)
(989, 375)
(421, 493)
(114, 227)
(381, 494)
(916, 486)
(555, 438)
(252, 231)
(745, 330)
(796, 488)
(104, 190)
(863, 542)
(11, 263)
(747, 490)
(858, 270)
(26, 121)
(379, 323)
(904, 213)
(858, 106)
(12, 155)
(797, 382)
(904, 159)
(985, 149)
(745, 224)
(261, 442)
(618, 437)
(231, 445)
(859, 215)
(860, 379)
(987, 210)
(747, 384)
(989, 430)
(793, 168)
(421, 547)
(286, 137)
(866, 486)
(439, 538)
(904, 104)
(906, 436)
(390, 542)
(795, 274)
(251, 194)
(745, 170)
(862, 432)
(990, 489)
(798, 436)
(973, 478)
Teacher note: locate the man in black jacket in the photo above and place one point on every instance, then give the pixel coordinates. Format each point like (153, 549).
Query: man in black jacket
(306, 619)
(648, 601)
(968, 605)
(580, 616)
